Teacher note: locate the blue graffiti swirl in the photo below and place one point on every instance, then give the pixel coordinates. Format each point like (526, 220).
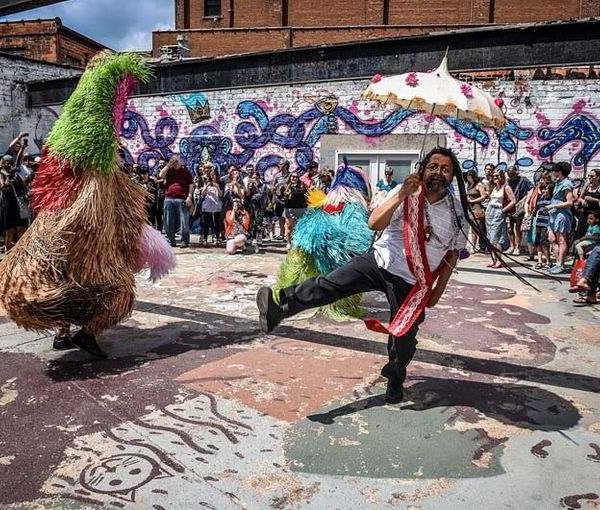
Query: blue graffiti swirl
(577, 127)
(512, 131)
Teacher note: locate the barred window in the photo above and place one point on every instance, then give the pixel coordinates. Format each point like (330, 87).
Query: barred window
(212, 8)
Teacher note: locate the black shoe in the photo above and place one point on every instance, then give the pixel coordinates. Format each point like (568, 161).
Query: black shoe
(62, 343)
(394, 392)
(88, 344)
(271, 313)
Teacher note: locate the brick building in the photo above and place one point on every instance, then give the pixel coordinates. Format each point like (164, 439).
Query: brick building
(47, 40)
(222, 27)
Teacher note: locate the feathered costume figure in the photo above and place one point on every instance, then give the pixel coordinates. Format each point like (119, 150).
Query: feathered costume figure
(334, 228)
(75, 265)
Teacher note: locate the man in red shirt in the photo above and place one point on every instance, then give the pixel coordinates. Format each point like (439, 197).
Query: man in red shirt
(179, 192)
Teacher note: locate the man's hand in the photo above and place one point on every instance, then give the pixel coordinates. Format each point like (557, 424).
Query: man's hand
(188, 202)
(411, 185)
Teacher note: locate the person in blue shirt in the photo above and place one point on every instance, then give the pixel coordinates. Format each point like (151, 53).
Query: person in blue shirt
(561, 220)
(387, 183)
(592, 236)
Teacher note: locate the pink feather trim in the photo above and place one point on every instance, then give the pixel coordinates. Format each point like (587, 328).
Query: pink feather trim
(123, 91)
(155, 254)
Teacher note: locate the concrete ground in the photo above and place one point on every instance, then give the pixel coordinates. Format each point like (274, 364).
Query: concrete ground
(197, 409)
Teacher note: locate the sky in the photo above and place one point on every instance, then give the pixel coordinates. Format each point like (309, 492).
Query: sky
(119, 24)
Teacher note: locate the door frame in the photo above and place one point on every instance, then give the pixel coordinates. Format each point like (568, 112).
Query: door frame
(377, 152)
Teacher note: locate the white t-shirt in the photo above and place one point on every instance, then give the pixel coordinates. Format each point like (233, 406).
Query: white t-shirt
(389, 248)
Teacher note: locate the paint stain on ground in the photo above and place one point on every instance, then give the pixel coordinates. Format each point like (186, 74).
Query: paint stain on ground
(596, 456)
(538, 449)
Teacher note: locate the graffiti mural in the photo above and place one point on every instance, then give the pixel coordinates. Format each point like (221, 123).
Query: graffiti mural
(265, 127)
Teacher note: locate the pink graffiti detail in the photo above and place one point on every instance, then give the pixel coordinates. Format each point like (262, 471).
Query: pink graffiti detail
(371, 141)
(542, 119)
(580, 105)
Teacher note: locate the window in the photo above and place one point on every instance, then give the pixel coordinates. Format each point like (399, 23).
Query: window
(375, 163)
(212, 8)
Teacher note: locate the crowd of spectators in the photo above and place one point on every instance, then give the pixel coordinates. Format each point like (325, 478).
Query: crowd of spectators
(238, 210)
(551, 221)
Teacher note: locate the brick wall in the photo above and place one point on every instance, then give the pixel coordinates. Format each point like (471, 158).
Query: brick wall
(216, 42)
(36, 40)
(314, 13)
(14, 114)
(312, 24)
(74, 52)
(46, 40)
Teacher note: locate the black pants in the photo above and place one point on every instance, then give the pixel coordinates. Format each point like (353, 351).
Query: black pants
(361, 274)
(211, 222)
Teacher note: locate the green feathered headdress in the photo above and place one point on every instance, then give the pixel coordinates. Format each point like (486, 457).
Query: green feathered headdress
(86, 133)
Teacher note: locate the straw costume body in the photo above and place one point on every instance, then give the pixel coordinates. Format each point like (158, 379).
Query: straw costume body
(76, 263)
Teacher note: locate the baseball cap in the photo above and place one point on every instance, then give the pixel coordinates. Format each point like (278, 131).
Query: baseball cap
(8, 158)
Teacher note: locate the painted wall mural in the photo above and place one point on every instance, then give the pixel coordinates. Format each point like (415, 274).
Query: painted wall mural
(555, 121)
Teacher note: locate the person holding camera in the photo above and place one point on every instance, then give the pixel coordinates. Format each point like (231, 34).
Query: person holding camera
(211, 204)
(237, 225)
(15, 212)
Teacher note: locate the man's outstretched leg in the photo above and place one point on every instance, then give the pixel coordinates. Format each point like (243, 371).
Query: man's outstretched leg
(361, 274)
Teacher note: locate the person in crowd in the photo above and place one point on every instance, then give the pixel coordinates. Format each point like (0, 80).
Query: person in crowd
(179, 192)
(211, 204)
(234, 188)
(294, 198)
(561, 218)
(520, 186)
(589, 281)
(20, 142)
(539, 224)
(237, 225)
(388, 183)
(151, 187)
(160, 197)
(591, 237)
(502, 201)
(476, 194)
(527, 225)
(15, 212)
(270, 205)
(324, 180)
(309, 177)
(488, 172)
(280, 183)
(588, 201)
(255, 201)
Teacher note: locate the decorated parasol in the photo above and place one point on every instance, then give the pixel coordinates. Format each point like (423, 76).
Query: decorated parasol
(436, 92)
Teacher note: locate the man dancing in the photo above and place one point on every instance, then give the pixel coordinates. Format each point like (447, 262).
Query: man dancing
(411, 263)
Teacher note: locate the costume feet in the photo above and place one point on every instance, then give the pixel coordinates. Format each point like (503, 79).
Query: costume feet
(62, 343)
(88, 343)
(270, 313)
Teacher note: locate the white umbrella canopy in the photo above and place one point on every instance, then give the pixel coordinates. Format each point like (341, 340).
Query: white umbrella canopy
(438, 93)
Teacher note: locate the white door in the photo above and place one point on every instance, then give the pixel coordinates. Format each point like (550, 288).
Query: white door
(375, 163)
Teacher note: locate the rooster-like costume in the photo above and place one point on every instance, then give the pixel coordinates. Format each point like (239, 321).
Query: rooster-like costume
(333, 230)
(76, 263)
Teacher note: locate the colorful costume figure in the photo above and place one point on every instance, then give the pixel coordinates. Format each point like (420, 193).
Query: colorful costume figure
(76, 263)
(334, 228)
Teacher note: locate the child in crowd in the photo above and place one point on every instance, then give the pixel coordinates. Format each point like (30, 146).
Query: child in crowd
(592, 236)
(540, 227)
